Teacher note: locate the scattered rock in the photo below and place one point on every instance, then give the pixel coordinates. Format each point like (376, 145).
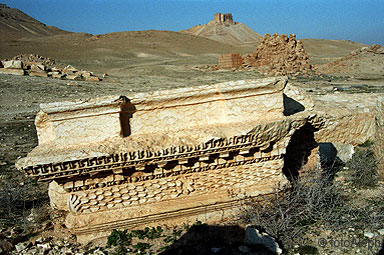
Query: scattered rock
(254, 237)
(22, 246)
(37, 66)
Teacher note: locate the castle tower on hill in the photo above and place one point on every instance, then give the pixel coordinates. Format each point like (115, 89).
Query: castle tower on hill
(223, 18)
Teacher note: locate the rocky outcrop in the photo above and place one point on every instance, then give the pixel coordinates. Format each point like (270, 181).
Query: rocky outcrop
(38, 66)
(367, 60)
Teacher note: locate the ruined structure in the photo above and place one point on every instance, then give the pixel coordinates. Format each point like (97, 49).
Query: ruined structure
(223, 18)
(277, 55)
(161, 157)
(229, 61)
(181, 155)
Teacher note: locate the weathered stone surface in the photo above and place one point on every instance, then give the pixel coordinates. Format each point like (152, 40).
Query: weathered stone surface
(39, 67)
(70, 69)
(93, 78)
(38, 74)
(13, 64)
(229, 61)
(379, 136)
(180, 155)
(12, 71)
(75, 76)
(277, 55)
(209, 146)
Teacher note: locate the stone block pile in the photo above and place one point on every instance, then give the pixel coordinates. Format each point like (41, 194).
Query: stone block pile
(38, 66)
(276, 55)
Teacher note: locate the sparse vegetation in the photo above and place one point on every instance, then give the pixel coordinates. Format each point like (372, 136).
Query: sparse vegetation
(287, 214)
(363, 166)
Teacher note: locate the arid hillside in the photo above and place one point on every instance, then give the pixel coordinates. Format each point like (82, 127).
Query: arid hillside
(15, 24)
(225, 31)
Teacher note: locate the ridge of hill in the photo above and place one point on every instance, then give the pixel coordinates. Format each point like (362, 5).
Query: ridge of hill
(15, 24)
(223, 29)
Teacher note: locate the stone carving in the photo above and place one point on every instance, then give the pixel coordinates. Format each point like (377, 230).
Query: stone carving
(209, 146)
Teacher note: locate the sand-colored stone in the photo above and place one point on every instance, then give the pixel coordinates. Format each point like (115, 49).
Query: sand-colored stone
(12, 64)
(379, 137)
(12, 71)
(179, 155)
(208, 146)
(38, 73)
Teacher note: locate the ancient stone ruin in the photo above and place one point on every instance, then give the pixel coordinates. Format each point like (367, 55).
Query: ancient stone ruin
(277, 55)
(181, 155)
(223, 18)
(229, 61)
(38, 66)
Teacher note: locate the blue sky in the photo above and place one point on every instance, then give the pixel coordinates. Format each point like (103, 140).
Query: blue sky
(355, 20)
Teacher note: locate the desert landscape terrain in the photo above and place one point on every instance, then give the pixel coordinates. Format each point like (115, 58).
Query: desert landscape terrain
(342, 78)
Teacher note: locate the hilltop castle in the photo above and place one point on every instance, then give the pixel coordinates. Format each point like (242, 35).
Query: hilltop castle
(223, 18)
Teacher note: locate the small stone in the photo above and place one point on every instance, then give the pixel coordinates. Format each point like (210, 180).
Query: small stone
(368, 234)
(22, 246)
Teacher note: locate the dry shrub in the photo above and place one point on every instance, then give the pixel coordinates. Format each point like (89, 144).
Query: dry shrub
(362, 167)
(287, 213)
(20, 202)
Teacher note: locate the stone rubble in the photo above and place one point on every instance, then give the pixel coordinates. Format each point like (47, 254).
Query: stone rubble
(38, 66)
(276, 55)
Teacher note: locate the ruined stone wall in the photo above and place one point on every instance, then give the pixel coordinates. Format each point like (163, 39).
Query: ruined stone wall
(229, 61)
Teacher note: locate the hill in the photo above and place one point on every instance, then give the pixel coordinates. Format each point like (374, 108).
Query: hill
(223, 29)
(15, 24)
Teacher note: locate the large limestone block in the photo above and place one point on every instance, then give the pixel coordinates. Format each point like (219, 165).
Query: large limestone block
(12, 71)
(379, 136)
(164, 157)
(13, 64)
